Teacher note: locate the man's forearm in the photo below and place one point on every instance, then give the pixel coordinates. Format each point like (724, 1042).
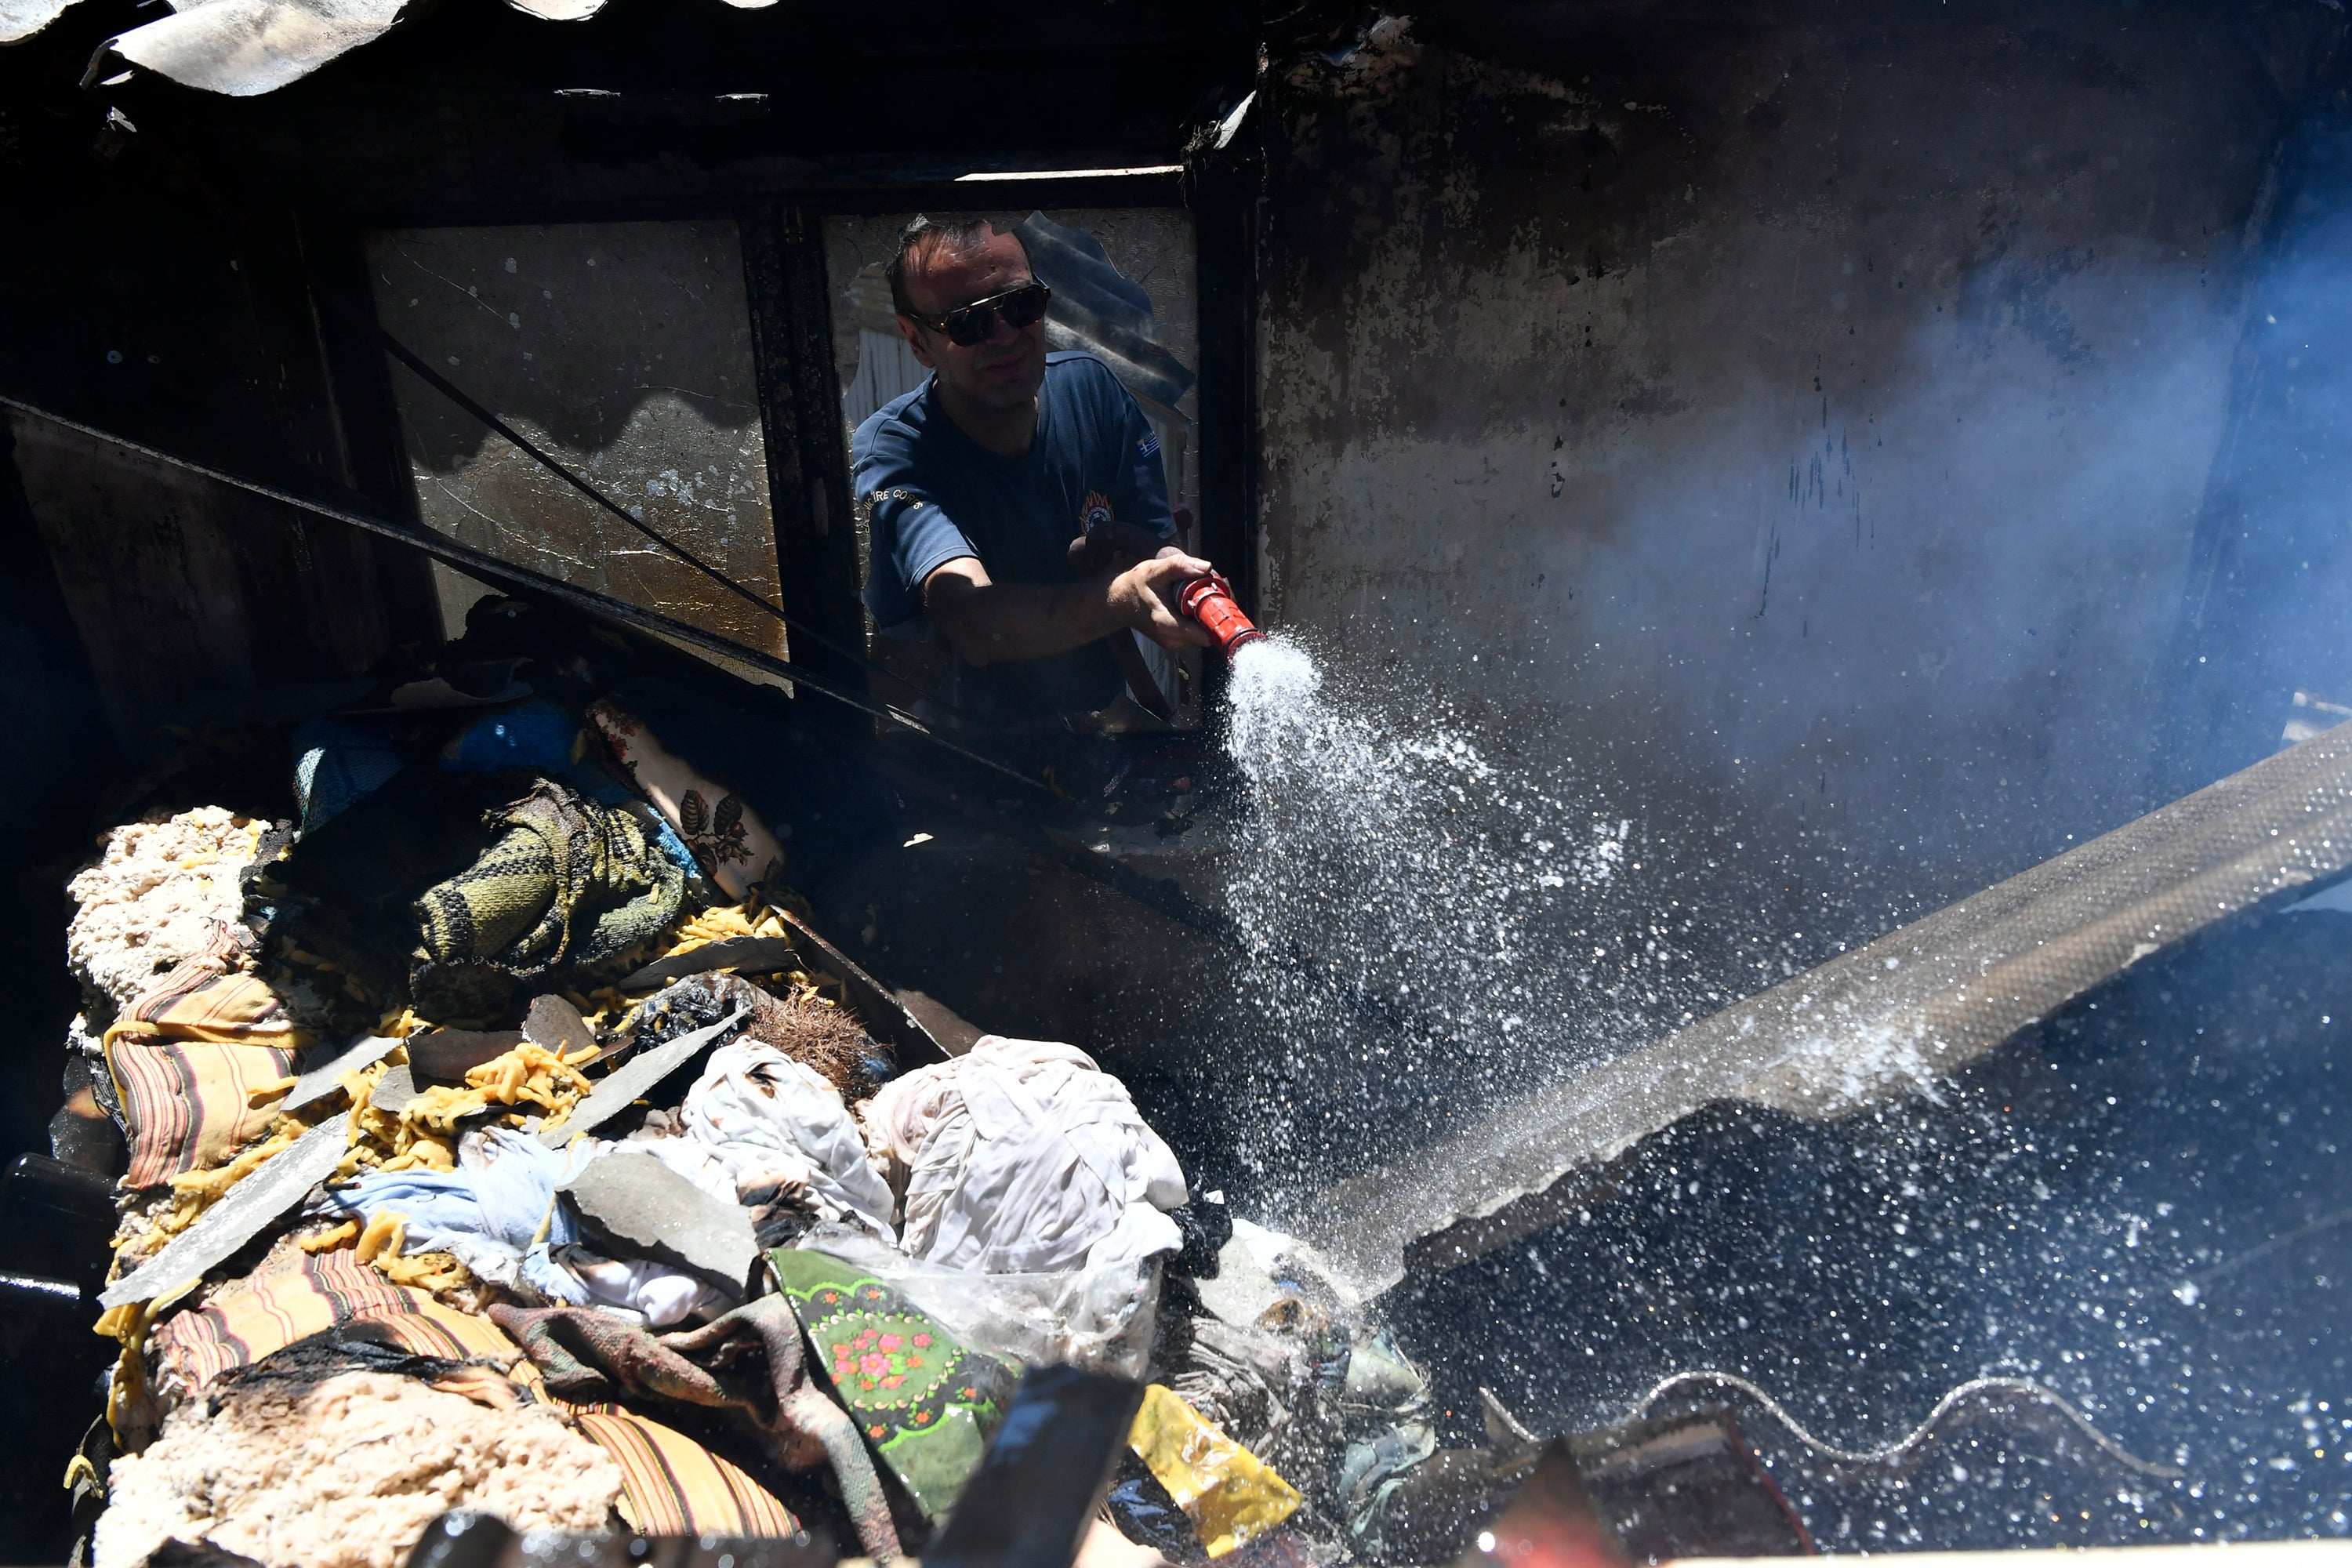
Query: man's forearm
(996, 622)
(1119, 546)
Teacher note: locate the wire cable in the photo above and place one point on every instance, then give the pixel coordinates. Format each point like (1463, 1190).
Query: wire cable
(482, 564)
(523, 444)
(1906, 1451)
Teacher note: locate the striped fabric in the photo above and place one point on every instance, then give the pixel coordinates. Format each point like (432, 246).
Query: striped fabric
(187, 1101)
(674, 1486)
(197, 1002)
(307, 1294)
(185, 1057)
(677, 1487)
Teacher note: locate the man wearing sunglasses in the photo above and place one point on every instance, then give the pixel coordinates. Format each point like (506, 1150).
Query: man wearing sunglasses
(1016, 497)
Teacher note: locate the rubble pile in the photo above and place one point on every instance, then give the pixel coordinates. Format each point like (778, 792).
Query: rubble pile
(497, 1134)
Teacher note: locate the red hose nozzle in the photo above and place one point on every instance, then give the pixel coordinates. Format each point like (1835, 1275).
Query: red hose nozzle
(1209, 601)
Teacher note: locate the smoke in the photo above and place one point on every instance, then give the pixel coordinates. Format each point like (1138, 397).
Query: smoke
(2057, 561)
(1911, 626)
(1846, 527)
(1946, 647)
(1835, 660)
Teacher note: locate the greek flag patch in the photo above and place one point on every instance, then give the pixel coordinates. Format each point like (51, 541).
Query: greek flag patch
(1149, 446)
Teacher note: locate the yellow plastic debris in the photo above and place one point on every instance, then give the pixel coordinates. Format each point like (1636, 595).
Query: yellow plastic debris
(1229, 1493)
(432, 1272)
(423, 1135)
(270, 1090)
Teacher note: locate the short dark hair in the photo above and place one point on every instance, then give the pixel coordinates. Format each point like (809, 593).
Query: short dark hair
(927, 236)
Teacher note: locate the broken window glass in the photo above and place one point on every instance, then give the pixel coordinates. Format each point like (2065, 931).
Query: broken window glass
(625, 351)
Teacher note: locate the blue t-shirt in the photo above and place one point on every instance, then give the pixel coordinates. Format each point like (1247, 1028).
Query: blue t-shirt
(929, 493)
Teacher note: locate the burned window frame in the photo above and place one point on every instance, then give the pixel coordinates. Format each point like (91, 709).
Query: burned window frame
(788, 293)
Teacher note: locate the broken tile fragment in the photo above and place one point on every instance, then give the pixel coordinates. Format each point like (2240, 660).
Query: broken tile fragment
(641, 1208)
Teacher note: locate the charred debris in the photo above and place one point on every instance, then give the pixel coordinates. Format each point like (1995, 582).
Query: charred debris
(517, 1104)
(494, 1129)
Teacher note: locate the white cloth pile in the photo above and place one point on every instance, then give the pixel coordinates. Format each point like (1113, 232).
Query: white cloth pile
(1023, 1157)
(1022, 1161)
(757, 1123)
(496, 1213)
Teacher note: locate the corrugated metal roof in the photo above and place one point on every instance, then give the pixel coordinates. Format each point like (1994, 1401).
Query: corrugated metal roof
(23, 19)
(244, 48)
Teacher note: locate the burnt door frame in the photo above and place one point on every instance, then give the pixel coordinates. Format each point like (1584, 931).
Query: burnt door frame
(819, 573)
(1222, 206)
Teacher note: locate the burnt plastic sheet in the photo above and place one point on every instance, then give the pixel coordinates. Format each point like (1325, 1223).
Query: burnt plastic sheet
(243, 48)
(20, 20)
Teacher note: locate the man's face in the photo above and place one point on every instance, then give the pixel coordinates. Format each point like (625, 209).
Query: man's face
(1002, 370)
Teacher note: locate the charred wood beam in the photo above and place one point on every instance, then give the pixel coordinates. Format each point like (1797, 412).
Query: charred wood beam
(1225, 176)
(817, 552)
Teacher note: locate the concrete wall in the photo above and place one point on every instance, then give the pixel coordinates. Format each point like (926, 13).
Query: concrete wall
(625, 351)
(1800, 413)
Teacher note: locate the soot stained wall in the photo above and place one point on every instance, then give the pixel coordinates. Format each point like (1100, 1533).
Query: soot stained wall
(1802, 413)
(150, 306)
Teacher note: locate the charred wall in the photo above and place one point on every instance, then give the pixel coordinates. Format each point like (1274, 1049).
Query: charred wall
(1802, 413)
(146, 301)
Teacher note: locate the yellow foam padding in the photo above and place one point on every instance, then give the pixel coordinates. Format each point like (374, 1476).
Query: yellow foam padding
(423, 1135)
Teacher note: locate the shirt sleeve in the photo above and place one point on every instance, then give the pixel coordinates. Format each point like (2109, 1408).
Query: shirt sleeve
(910, 537)
(1142, 495)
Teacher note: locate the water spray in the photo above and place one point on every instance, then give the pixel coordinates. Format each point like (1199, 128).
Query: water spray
(1209, 601)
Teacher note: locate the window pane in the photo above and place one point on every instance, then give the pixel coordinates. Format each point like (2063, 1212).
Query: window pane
(624, 350)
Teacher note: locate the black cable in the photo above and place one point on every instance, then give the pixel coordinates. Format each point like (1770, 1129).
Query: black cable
(482, 564)
(365, 319)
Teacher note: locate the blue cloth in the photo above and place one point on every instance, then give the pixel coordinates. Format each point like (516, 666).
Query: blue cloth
(489, 1214)
(1369, 1474)
(665, 838)
(538, 735)
(928, 493)
(338, 762)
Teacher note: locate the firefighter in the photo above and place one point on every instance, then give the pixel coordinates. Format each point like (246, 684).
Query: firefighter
(1016, 500)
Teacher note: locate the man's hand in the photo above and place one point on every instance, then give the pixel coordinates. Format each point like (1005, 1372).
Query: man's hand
(1144, 597)
(991, 622)
(1114, 546)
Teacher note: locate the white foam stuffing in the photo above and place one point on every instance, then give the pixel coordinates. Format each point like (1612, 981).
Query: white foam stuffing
(347, 1474)
(150, 900)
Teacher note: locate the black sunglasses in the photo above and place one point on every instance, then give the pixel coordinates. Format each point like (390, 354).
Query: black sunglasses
(968, 324)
